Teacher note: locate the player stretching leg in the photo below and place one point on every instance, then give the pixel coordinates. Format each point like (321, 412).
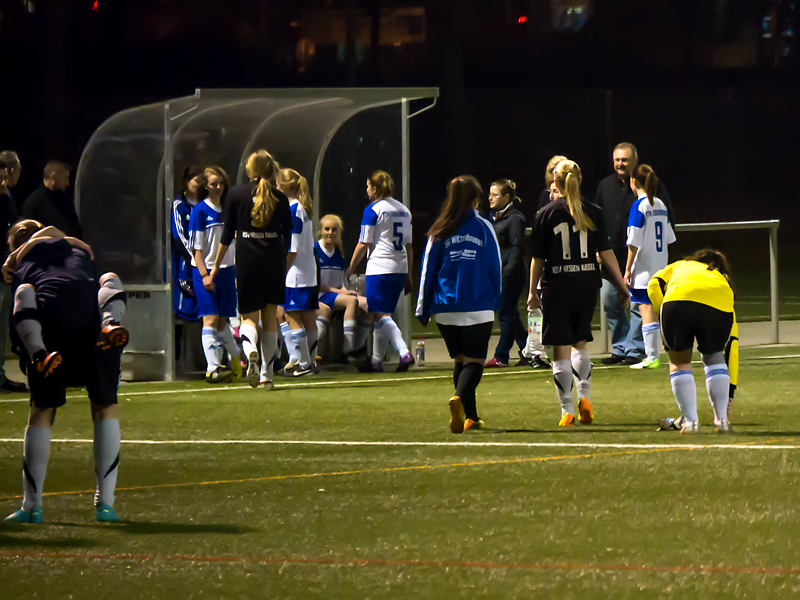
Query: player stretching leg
(56, 315)
(568, 235)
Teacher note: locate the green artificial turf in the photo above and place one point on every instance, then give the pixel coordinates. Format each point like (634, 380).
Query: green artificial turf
(299, 520)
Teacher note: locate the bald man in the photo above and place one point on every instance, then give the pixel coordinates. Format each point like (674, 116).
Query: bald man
(50, 205)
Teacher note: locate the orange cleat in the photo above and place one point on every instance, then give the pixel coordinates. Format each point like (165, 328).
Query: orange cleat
(585, 414)
(113, 335)
(456, 415)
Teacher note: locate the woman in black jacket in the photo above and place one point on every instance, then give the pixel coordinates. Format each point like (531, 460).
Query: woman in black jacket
(510, 229)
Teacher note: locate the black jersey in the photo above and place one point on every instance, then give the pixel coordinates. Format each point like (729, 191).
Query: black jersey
(274, 237)
(570, 255)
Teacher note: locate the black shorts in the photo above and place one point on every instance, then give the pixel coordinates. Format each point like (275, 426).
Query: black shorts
(567, 315)
(469, 341)
(683, 322)
(83, 365)
(260, 280)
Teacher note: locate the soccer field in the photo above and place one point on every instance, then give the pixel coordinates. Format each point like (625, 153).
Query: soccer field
(351, 486)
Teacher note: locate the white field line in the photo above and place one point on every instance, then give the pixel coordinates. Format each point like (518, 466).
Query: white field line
(431, 444)
(288, 386)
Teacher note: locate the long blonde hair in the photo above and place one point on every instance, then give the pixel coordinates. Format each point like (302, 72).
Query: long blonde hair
(551, 165)
(294, 184)
(339, 223)
(261, 169)
(567, 177)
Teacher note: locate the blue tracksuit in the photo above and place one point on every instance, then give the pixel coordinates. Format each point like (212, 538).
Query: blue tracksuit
(461, 273)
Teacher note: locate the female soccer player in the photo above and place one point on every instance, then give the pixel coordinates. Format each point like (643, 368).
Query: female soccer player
(649, 234)
(568, 234)
(260, 217)
(460, 285)
(216, 297)
(333, 294)
(386, 234)
(509, 226)
(695, 299)
(300, 307)
(194, 191)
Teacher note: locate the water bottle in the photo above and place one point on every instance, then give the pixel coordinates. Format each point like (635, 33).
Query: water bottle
(535, 322)
(419, 354)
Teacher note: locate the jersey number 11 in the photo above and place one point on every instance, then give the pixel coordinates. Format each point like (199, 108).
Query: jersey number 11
(563, 230)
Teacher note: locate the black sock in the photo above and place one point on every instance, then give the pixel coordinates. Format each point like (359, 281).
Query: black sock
(457, 368)
(468, 381)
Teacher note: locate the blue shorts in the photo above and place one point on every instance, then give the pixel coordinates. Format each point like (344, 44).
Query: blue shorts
(304, 298)
(639, 296)
(328, 298)
(383, 292)
(222, 301)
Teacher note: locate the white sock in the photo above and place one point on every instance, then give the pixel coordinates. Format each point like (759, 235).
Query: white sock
(349, 336)
(322, 327)
(718, 383)
(111, 299)
(313, 342)
(379, 343)
(582, 371)
(26, 318)
(650, 332)
(230, 344)
(300, 344)
(269, 342)
(210, 348)
(106, 459)
(393, 333)
(286, 332)
(362, 331)
(562, 376)
(685, 392)
(249, 335)
(36, 453)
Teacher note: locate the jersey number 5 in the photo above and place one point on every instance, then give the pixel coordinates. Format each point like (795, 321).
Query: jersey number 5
(398, 237)
(563, 230)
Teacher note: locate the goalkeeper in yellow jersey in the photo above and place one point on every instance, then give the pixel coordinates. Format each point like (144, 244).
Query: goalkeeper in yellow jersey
(695, 300)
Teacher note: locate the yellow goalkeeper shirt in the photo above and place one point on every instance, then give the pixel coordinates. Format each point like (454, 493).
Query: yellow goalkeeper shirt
(690, 281)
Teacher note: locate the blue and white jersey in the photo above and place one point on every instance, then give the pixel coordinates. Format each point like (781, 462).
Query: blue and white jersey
(331, 267)
(205, 234)
(461, 275)
(649, 230)
(181, 212)
(387, 226)
(303, 272)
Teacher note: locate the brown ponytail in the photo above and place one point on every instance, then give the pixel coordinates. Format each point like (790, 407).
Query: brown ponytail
(645, 179)
(261, 168)
(383, 184)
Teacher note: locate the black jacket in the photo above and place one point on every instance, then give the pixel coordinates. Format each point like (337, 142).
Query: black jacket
(616, 198)
(509, 225)
(54, 208)
(8, 216)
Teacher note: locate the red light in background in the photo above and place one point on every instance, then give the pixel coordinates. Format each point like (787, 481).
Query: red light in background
(522, 19)
(94, 6)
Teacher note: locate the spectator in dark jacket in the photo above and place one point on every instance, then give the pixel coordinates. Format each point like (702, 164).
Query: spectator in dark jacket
(509, 227)
(51, 205)
(615, 197)
(11, 160)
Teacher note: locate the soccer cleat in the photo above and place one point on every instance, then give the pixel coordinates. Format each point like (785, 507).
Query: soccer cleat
(632, 360)
(105, 513)
(614, 359)
(668, 424)
(236, 367)
(690, 426)
(266, 384)
(219, 375)
(524, 361)
(585, 413)
(21, 515)
(405, 362)
(289, 369)
(302, 371)
(647, 364)
(494, 364)
(253, 369)
(367, 366)
(113, 335)
(456, 415)
(567, 420)
(44, 364)
(470, 425)
(540, 364)
(722, 426)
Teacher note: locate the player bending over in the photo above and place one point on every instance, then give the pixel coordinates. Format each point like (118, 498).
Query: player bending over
(64, 340)
(695, 299)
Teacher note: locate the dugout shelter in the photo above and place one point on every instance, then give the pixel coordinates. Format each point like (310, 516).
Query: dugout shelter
(131, 170)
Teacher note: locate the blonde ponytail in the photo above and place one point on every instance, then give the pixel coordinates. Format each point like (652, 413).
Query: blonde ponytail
(296, 186)
(261, 169)
(568, 180)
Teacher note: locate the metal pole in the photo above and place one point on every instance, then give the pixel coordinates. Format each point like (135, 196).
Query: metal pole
(169, 191)
(773, 283)
(404, 311)
(603, 327)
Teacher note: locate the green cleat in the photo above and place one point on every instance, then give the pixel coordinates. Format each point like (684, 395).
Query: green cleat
(647, 364)
(104, 513)
(21, 515)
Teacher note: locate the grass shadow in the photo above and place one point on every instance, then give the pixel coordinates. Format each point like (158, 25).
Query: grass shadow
(8, 541)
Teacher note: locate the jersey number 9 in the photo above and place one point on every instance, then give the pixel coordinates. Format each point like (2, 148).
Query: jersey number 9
(659, 236)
